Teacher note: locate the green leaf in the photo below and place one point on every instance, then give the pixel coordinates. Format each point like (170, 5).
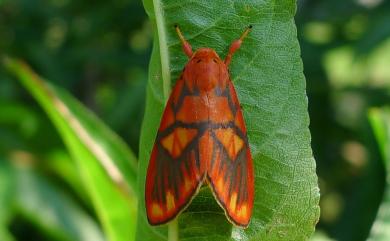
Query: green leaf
(7, 181)
(380, 122)
(53, 211)
(106, 165)
(60, 163)
(24, 192)
(5, 234)
(268, 75)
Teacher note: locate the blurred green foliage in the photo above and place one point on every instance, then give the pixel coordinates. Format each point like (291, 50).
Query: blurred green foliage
(99, 51)
(380, 122)
(107, 168)
(346, 53)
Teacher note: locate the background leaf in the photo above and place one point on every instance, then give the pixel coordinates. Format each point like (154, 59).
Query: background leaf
(107, 167)
(267, 73)
(380, 122)
(6, 193)
(51, 210)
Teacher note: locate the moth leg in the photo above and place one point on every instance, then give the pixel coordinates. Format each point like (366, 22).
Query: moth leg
(186, 46)
(236, 45)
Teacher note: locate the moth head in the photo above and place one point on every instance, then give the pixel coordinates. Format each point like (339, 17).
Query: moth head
(206, 55)
(205, 69)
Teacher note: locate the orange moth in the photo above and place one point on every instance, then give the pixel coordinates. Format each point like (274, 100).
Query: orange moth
(202, 138)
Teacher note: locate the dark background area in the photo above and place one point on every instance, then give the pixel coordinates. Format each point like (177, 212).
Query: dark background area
(99, 52)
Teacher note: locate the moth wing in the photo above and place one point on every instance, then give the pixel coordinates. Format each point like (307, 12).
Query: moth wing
(174, 173)
(230, 170)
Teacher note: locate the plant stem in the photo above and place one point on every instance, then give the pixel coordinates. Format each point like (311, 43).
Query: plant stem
(173, 231)
(164, 54)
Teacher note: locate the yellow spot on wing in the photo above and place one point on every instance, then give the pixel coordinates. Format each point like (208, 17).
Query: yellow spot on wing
(185, 135)
(170, 201)
(167, 142)
(237, 143)
(233, 202)
(242, 211)
(156, 210)
(176, 150)
(224, 136)
(178, 140)
(232, 142)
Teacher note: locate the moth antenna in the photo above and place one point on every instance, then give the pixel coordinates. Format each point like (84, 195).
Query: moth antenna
(236, 45)
(246, 32)
(186, 46)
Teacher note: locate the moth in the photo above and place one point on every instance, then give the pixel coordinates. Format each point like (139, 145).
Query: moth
(201, 139)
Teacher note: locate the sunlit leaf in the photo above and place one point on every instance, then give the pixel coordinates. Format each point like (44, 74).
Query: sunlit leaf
(5, 235)
(49, 209)
(60, 164)
(106, 165)
(23, 192)
(380, 122)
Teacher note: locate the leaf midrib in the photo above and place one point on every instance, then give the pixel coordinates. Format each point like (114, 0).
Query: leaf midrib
(164, 53)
